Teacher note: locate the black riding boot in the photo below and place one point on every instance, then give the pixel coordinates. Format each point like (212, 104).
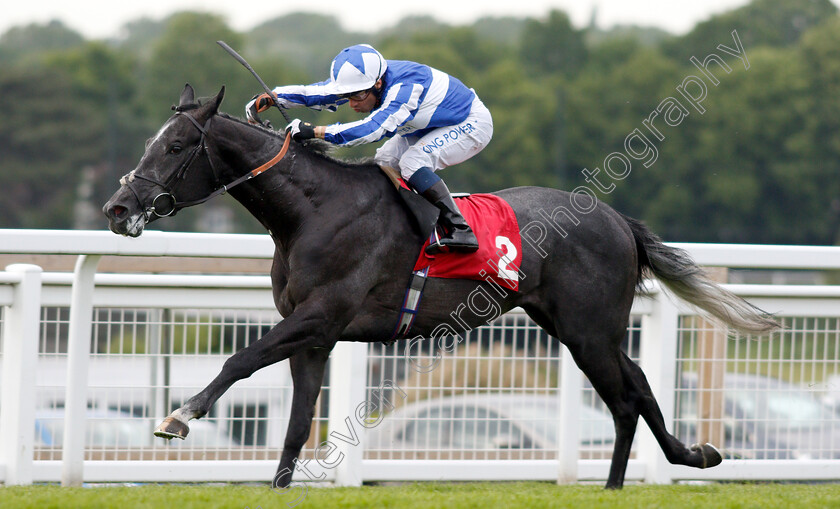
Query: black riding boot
(458, 236)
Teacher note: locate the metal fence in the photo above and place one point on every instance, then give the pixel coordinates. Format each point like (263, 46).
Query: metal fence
(87, 374)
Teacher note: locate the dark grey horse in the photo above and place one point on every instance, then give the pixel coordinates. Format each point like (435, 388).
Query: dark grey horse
(345, 248)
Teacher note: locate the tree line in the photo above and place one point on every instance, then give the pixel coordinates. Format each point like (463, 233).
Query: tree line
(728, 133)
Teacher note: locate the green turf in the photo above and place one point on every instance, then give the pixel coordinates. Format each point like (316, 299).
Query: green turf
(427, 495)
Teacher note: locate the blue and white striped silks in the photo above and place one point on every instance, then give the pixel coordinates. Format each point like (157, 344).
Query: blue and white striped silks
(416, 99)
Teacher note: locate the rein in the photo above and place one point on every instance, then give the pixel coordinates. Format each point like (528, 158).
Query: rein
(165, 203)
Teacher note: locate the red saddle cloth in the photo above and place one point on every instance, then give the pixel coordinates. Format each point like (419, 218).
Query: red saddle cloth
(499, 254)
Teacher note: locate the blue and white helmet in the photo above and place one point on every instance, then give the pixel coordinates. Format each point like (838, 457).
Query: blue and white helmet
(355, 69)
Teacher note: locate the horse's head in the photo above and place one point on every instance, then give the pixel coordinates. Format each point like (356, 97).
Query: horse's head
(175, 172)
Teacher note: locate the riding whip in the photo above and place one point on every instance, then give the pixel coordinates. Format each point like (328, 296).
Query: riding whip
(242, 61)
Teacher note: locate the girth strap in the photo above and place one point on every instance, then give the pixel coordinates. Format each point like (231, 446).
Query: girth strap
(411, 302)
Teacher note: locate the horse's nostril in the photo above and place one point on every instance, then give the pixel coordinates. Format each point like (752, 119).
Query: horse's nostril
(119, 211)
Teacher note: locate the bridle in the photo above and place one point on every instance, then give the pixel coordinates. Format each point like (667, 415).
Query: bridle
(165, 204)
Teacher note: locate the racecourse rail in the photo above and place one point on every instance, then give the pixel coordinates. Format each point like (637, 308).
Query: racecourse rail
(72, 339)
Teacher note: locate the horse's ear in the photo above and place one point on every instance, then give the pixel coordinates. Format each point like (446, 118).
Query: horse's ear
(217, 101)
(187, 96)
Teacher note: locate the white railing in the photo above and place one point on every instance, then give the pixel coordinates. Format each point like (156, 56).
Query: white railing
(662, 327)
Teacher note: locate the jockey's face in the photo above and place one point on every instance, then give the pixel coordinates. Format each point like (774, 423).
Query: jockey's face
(368, 103)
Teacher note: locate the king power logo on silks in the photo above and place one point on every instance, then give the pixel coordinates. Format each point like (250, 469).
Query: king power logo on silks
(447, 137)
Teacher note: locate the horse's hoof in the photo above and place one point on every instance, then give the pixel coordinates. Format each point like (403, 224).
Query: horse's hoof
(711, 456)
(172, 428)
(282, 479)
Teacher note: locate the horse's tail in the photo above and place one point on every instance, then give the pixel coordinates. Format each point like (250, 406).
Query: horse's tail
(675, 268)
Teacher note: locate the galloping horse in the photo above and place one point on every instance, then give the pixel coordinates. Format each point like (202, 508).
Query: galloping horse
(345, 248)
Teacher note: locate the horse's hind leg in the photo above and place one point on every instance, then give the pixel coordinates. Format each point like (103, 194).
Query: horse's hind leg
(625, 390)
(597, 353)
(698, 456)
(307, 376)
(602, 365)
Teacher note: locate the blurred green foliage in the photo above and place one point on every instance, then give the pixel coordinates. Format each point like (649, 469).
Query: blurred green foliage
(758, 165)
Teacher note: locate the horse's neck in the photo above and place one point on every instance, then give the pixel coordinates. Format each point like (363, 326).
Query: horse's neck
(297, 188)
(242, 147)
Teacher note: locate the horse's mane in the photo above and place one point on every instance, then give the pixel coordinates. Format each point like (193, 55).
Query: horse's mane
(318, 148)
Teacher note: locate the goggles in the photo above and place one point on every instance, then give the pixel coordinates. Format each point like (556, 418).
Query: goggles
(357, 96)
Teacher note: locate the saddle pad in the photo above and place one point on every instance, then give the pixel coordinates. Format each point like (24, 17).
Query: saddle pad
(499, 254)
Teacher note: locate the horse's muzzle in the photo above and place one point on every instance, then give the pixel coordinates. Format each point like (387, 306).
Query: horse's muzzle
(123, 218)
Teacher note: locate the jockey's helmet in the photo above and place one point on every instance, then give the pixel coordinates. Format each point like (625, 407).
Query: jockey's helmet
(355, 69)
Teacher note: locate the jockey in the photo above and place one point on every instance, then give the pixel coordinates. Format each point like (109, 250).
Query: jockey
(432, 119)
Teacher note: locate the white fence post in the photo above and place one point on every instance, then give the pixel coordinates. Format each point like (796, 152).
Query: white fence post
(21, 327)
(568, 436)
(658, 360)
(78, 357)
(348, 382)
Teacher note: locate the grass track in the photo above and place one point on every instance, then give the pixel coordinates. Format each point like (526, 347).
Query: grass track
(428, 495)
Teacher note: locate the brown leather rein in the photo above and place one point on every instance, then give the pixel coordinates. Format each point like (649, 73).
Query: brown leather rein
(166, 200)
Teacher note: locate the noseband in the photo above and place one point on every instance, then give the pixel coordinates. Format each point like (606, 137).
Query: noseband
(165, 203)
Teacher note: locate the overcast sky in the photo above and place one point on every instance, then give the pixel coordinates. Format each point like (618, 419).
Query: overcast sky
(102, 19)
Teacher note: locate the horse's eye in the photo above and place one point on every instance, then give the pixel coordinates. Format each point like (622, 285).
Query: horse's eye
(176, 149)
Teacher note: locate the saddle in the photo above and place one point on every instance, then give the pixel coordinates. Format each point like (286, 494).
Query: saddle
(499, 253)
(496, 262)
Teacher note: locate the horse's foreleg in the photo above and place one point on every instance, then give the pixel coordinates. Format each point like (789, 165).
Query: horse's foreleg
(307, 376)
(300, 331)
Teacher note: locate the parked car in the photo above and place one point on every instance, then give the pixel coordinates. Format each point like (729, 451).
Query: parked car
(831, 389)
(765, 418)
(111, 429)
(486, 422)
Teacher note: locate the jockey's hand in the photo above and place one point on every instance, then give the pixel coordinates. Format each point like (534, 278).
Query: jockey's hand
(300, 131)
(258, 104)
